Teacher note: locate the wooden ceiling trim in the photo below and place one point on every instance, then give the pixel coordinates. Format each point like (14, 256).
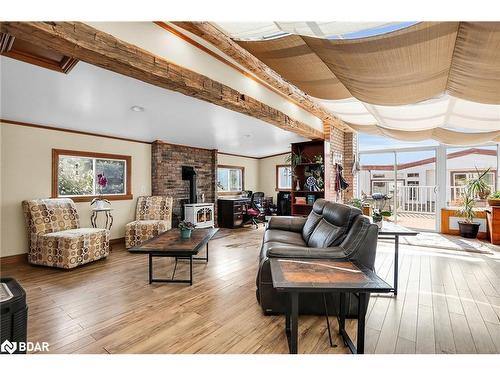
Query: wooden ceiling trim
(32, 54)
(193, 42)
(224, 43)
(85, 43)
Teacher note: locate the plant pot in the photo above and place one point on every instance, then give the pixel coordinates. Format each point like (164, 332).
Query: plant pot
(378, 222)
(186, 233)
(468, 230)
(494, 201)
(483, 194)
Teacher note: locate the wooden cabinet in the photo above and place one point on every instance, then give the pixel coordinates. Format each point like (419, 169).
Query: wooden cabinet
(230, 211)
(493, 217)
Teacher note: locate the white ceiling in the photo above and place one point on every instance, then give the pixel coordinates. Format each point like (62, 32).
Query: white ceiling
(96, 100)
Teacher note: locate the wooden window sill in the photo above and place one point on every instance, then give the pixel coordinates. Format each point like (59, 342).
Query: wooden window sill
(89, 198)
(230, 193)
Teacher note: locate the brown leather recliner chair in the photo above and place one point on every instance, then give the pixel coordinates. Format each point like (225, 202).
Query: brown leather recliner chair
(331, 231)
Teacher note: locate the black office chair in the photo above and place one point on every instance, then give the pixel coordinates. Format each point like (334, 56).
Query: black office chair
(256, 212)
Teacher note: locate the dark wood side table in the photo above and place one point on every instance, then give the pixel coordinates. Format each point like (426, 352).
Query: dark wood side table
(295, 276)
(393, 231)
(170, 244)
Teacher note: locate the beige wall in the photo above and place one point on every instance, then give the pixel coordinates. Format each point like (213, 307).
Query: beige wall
(260, 174)
(251, 166)
(267, 174)
(26, 158)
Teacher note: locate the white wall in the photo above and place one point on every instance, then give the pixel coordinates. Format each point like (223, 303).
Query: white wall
(159, 41)
(26, 160)
(260, 174)
(267, 174)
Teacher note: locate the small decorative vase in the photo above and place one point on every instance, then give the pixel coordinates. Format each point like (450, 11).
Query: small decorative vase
(297, 187)
(186, 233)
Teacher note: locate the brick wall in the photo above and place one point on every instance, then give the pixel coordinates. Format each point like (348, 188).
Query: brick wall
(333, 149)
(350, 145)
(166, 173)
(341, 145)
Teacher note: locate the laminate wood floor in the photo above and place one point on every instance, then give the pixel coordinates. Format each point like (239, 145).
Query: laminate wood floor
(449, 302)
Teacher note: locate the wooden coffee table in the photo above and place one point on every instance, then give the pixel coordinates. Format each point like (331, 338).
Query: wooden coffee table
(170, 244)
(295, 276)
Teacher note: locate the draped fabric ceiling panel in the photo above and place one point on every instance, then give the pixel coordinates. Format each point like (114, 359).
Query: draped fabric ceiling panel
(434, 79)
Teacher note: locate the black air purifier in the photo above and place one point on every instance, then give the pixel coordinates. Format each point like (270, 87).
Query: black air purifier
(14, 314)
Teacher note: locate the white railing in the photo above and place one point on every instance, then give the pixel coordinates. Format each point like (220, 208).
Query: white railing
(416, 199)
(423, 198)
(457, 192)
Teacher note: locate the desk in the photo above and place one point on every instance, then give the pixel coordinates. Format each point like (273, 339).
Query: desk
(393, 231)
(295, 276)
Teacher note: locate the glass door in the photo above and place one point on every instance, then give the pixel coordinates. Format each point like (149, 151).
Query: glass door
(377, 177)
(416, 196)
(409, 179)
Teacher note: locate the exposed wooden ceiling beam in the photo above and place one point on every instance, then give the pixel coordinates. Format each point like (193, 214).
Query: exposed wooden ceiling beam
(224, 43)
(95, 47)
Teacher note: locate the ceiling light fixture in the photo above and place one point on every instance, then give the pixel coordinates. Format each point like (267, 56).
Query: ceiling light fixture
(137, 108)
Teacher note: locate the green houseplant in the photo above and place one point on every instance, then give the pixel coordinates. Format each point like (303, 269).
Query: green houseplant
(494, 198)
(478, 186)
(468, 229)
(378, 208)
(186, 228)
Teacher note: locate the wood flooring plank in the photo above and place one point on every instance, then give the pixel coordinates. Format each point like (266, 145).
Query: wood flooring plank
(448, 302)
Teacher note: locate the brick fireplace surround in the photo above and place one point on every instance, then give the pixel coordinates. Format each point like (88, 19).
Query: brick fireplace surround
(166, 171)
(167, 161)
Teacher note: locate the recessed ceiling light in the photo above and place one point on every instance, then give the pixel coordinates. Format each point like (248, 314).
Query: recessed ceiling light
(137, 108)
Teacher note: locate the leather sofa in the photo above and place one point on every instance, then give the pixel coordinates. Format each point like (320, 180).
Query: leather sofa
(331, 231)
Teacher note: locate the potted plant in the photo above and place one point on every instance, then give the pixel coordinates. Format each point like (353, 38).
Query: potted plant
(356, 202)
(100, 201)
(478, 186)
(468, 229)
(378, 210)
(186, 228)
(494, 198)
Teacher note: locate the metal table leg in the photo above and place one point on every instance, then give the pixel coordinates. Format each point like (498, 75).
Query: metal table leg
(360, 346)
(341, 317)
(396, 263)
(150, 268)
(170, 280)
(327, 320)
(191, 270)
(93, 218)
(294, 323)
(203, 258)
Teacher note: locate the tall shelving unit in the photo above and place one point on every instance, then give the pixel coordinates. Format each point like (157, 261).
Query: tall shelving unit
(309, 151)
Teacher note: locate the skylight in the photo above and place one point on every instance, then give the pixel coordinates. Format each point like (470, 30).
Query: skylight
(327, 30)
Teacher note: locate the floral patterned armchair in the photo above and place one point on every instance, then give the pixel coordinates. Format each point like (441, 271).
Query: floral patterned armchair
(153, 216)
(55, 237)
